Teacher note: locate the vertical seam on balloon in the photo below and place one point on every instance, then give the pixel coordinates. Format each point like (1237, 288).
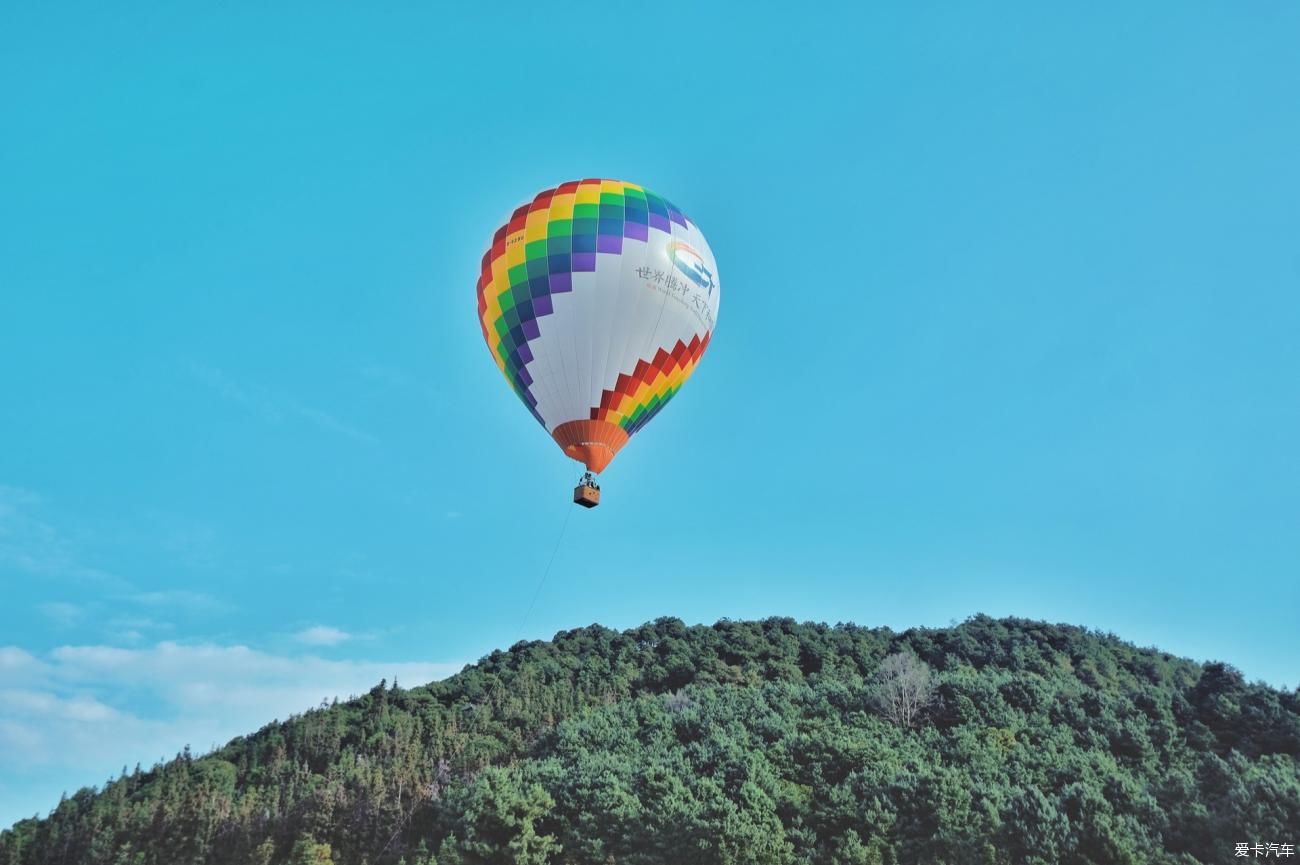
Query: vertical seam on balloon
(595, 306)
(618, 300)
(551, 383)
(591, 323)
(563, 347)
(629, 353)
(663, 304)
(624, 262)
(572, 373)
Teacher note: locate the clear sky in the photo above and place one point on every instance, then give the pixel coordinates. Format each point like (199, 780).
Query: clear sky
(1011, 303)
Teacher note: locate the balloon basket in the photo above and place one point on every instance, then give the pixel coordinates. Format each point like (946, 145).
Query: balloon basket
(587, 492)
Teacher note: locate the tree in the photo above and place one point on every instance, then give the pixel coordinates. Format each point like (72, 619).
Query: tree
(1053, 745)
(849, 850)
(501, 814)
(308, 852)
(903, 688)
(265, 853)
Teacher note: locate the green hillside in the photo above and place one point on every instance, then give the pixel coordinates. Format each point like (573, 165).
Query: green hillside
(995, 741)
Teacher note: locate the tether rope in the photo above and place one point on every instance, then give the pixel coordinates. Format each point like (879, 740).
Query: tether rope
(547, 572)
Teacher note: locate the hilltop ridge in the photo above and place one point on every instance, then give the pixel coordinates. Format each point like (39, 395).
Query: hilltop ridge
(741, 742)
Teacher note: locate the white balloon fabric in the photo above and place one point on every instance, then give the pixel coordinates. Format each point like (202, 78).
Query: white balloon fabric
(597, 301)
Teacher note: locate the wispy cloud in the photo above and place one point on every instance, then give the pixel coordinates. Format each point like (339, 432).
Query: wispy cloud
(139, 623)
(275, 408)
(62, 614)
(31, 544)
(322, 635)
(390, 377)
(142, 623)
(127, 628)
(93, 708)
(36, 540)
(192, 543)
(181, 599)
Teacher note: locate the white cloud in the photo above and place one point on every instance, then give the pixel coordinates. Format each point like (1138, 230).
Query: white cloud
(15, 735)
(13, 658)
(20, 703)
(97, 707)
(322, 635)
(20, 668)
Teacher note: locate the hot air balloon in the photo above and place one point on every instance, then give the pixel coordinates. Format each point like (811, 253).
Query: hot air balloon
(597, 300)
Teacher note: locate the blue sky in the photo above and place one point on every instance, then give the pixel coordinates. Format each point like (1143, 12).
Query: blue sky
(1009, 327)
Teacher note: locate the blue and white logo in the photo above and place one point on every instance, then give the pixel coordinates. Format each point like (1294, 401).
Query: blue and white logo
(691, 263)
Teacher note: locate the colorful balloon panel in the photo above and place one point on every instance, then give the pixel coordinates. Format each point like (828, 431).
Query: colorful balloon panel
(597, 301)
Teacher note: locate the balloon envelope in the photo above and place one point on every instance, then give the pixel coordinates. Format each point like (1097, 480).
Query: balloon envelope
(597, 300)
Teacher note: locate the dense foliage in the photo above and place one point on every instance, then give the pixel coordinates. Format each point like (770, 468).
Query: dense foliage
(744, 742)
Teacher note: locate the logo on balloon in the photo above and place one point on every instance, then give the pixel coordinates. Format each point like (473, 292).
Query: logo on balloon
(691, 263)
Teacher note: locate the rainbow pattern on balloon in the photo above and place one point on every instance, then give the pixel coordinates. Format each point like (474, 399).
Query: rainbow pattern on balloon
(536, 256)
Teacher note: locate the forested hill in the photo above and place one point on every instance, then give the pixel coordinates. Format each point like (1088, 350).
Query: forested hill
(995, 741)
